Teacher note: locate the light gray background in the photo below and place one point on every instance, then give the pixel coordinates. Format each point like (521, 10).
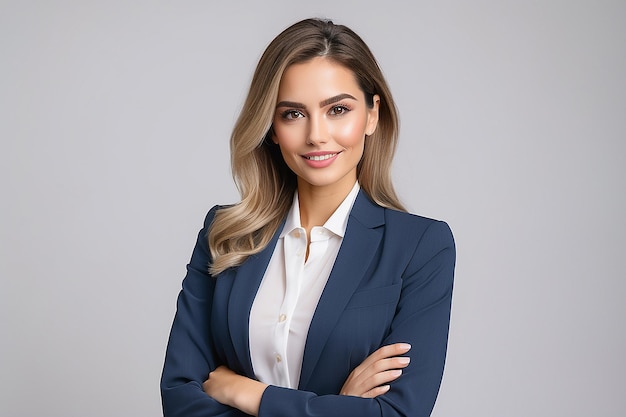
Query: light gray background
(114, 124)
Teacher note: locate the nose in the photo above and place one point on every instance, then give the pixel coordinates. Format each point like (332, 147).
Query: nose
(318, 131)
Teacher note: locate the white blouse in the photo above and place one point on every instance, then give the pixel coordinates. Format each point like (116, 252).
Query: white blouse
(289, 293)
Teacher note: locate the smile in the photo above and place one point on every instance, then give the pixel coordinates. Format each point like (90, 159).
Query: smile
(320, 157)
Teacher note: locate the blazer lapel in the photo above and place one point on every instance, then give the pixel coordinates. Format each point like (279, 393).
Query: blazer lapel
(246, 281)
(360, 242)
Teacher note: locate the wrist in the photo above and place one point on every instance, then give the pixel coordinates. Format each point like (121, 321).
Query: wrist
(246, 395)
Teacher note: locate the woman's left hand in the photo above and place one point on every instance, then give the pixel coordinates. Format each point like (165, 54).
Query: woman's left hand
(229, 388)
(372, 377)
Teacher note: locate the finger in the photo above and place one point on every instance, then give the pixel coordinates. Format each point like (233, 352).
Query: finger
(385, 377)
(384, 352)
(388, 351)
(383, 359)
(375, 392)
(397, 362)
(377, 380)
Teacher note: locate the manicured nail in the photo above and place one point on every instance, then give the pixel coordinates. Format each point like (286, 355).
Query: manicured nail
(405, 346)
(396, 373)
(404, 360)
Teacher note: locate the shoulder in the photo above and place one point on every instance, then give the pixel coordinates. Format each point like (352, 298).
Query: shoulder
(210, 216)
(402, 229)
(202, 244)
(420, 238)
(416, 225)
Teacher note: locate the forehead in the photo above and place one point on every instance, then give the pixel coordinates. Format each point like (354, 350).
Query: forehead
(317, 79)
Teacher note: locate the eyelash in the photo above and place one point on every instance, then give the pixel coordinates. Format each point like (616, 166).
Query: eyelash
(336, 110)
(343, 109)
(288, 114)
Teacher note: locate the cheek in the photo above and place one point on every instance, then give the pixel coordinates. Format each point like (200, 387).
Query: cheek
(288, 136)
(289, 140)
(350, 134)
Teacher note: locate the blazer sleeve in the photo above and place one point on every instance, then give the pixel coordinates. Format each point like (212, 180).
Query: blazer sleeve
(422, 319)
(189, 357)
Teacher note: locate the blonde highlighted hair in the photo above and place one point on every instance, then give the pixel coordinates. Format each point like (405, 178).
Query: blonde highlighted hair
(264, 181)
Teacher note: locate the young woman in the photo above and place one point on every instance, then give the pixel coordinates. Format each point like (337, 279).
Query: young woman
(317, 294)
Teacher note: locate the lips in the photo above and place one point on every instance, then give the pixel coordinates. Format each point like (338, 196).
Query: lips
(321, 157)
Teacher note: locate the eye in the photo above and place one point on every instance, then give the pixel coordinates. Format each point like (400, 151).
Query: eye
(338, 110)
(291, 114)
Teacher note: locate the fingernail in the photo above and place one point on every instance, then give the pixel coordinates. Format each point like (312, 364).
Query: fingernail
(405, 346)
(396, 373)
(404, 360)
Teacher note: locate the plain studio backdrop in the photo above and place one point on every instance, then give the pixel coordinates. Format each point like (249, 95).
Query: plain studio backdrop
(115, 118)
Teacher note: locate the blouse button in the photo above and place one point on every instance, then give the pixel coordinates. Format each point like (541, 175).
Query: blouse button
(282, 318)
(278, 358)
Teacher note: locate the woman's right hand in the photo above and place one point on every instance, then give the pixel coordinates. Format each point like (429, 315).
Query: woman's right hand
(371, 378)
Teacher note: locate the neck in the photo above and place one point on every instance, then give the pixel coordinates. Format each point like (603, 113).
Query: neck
(317, 204)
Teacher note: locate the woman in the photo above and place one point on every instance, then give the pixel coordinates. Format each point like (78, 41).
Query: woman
(316, 295)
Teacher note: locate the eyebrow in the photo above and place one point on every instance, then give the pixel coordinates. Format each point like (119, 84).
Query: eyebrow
(335, 99)
(323, 103)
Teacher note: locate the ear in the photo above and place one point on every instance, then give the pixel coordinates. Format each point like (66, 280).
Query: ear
(372, 116)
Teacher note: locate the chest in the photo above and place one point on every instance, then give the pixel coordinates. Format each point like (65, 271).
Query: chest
(350, 321)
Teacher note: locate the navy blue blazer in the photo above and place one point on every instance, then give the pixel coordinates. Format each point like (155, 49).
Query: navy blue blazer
(391, 282)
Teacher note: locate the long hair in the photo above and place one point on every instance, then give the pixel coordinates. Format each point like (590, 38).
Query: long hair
(261, 175)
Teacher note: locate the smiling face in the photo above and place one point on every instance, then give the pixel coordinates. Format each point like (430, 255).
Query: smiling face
(320, 124)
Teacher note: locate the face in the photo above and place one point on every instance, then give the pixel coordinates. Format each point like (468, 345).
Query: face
(320, 124)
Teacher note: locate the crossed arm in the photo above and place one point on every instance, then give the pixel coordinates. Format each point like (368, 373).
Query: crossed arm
(368, 380)
(422, 316)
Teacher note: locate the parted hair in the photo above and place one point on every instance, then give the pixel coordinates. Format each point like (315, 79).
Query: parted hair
(264, 181)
